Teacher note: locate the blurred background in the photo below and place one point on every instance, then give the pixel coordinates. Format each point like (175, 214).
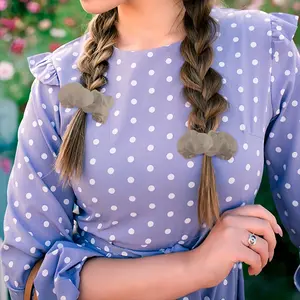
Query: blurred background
(29, 27)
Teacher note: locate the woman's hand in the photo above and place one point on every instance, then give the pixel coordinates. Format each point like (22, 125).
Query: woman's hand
(227, 243)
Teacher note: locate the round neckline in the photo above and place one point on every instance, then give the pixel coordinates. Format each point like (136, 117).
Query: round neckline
(153, 49)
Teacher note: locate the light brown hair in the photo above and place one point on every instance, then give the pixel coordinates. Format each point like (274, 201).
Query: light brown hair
(201, 87)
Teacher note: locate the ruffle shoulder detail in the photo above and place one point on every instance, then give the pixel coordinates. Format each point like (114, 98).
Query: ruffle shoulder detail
(283, 25)
(41, 66)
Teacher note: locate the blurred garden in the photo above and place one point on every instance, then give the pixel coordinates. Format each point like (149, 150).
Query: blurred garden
(29, 27)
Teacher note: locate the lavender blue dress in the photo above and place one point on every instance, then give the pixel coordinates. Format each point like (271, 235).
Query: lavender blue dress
(138, 195)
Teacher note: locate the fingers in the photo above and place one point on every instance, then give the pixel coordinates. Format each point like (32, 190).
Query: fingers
(261, 247)
(257, 211)
(251, 258)
(257, 226)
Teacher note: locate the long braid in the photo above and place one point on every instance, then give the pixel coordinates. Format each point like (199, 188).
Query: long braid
(92, 64)
(201, 86)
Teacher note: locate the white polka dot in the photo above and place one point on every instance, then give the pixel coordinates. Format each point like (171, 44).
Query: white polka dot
(231, 180)
(130, 180)
(115, 131)
(171, 196)
(168, 231)
(131, 231)
(148, 241)
(242, 127)
(112, 150)
(225, 119)
(112, 238)
(170, 214)
(28, 195)
(190, 164)
(228, 199)
(67, 260)
(110, 171)
(190, 203)
(287, 186)
(151, 188)
(111, 190)
(169, 136)
(114, 207)
(45, 273)
(278, 149)
(92, 161)
(191, 184)
(132, 198)
(295, 203)
(169, 156)
(150, 224)
(187, 221)
(152, 205)
(150, 148)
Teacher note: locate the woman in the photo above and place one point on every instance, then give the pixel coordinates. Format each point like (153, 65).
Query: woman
(175, 77)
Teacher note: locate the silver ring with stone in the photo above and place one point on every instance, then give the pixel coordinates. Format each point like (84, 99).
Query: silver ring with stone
(252, 239)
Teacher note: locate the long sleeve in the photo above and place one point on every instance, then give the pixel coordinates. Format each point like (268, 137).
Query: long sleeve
(39, 215)
(282, 144)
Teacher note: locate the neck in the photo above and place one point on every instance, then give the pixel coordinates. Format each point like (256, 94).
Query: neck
(146, 24)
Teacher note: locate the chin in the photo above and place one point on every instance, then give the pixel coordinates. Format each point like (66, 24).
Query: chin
(100, 6)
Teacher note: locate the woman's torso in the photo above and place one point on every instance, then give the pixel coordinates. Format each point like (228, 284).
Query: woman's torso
(137, 192)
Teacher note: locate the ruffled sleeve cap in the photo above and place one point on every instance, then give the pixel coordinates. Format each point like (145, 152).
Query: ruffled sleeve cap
(283, 26)
(41, 66)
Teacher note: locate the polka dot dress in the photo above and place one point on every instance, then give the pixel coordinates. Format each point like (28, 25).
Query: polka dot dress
(138, 196)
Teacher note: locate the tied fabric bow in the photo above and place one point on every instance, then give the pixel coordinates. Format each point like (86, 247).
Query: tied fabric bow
(75, 95)
(220, 144)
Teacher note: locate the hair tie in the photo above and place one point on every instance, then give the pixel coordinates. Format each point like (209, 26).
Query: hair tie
(220, 144)
(75, 95)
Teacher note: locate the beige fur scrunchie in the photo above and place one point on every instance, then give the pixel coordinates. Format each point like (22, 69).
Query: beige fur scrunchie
(220, 144)
(75, 95)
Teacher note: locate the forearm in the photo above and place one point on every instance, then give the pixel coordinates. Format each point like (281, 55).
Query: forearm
(163, 277)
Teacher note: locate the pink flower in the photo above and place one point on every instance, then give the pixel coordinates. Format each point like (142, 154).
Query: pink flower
(3, 5)
(33, 7)
(17, 46)
(3, 31)
(54, 46)
(5, 165)
(8, 23)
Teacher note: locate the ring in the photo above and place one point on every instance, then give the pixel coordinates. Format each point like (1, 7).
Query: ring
(252, 239)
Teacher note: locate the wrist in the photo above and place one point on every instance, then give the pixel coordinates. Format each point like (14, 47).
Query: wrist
(197, 267)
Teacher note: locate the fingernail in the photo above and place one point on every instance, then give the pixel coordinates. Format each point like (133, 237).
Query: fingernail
(271, 255)
(279, 230)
